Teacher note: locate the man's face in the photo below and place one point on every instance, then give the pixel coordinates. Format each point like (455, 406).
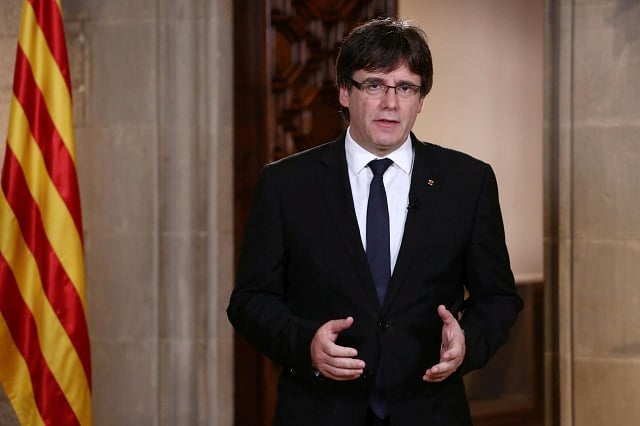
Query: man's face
(381, 124)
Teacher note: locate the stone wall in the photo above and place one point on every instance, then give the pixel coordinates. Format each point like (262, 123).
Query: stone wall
(593, 211)
(152, 110)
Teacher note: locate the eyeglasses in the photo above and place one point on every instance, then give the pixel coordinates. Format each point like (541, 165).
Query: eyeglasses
(375, 89)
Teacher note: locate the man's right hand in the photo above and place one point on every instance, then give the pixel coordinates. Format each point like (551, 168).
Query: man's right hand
(333, 361)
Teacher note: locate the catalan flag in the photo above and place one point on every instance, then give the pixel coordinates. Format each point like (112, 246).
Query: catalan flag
(45, 363)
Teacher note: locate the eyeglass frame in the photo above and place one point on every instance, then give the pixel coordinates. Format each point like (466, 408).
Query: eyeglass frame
(363, 86)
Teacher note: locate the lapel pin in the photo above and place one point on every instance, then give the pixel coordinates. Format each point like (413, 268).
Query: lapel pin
(430, 182)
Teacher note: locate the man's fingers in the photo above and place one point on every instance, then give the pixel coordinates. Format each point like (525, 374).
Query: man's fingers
(341, 374)
(335, 361)
(334, 327)
(450, 360)
(444, 314)
(438, 372)
(345, 363)
(338, 325)
(337, 351)
(341, 368)
(341, 358)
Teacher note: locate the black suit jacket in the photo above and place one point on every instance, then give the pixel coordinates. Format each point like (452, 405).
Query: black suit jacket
(303, 264)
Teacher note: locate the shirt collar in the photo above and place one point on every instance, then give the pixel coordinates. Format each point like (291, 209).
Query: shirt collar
(358, 157)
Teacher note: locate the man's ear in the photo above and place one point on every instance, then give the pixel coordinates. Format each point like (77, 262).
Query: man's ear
(421, 104)
(344, 97)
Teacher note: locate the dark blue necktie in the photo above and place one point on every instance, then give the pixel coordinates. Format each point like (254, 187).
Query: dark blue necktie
(378, 253)
(379, 257)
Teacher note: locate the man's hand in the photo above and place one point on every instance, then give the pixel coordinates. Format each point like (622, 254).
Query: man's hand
(452, 351)
(333, 361)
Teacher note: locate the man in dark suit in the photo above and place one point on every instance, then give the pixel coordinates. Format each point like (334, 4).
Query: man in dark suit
(357, 255)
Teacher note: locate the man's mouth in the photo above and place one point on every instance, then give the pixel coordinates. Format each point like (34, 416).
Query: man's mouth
(386, 121)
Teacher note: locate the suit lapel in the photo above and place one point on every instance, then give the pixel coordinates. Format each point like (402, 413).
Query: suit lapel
(423, 196)
(334, 181)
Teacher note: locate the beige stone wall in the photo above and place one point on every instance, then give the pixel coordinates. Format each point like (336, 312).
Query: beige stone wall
(593, 210)
(152, 109)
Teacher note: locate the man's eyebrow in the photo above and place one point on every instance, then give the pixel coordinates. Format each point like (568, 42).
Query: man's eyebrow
(403, 82)
(373, 80)
(380, 80)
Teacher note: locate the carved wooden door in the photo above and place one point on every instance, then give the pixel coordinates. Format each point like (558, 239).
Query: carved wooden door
(285, 100)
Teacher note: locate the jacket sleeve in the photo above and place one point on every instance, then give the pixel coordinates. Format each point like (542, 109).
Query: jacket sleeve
(257, 307)
(493, 303)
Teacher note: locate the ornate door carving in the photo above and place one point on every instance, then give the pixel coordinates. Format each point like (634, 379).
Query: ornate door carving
(304, 37)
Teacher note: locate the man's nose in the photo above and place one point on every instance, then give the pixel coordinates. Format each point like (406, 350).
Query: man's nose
(390, 98)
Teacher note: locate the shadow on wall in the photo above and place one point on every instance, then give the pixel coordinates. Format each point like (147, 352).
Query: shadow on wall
(625, 18)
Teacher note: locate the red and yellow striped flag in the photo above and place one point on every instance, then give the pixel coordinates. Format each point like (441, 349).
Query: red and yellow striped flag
(45, 365)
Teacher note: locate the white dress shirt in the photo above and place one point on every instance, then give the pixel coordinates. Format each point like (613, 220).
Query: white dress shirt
(397, 180)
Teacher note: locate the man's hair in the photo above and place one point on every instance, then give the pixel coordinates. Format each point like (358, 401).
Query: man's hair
(383, 45)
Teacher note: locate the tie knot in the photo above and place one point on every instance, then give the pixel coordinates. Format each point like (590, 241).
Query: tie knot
(378, 167)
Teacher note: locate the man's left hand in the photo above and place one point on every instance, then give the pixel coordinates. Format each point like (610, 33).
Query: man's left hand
(452, 350)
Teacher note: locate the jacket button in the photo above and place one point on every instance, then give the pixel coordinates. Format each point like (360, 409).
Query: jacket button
(383, 325)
